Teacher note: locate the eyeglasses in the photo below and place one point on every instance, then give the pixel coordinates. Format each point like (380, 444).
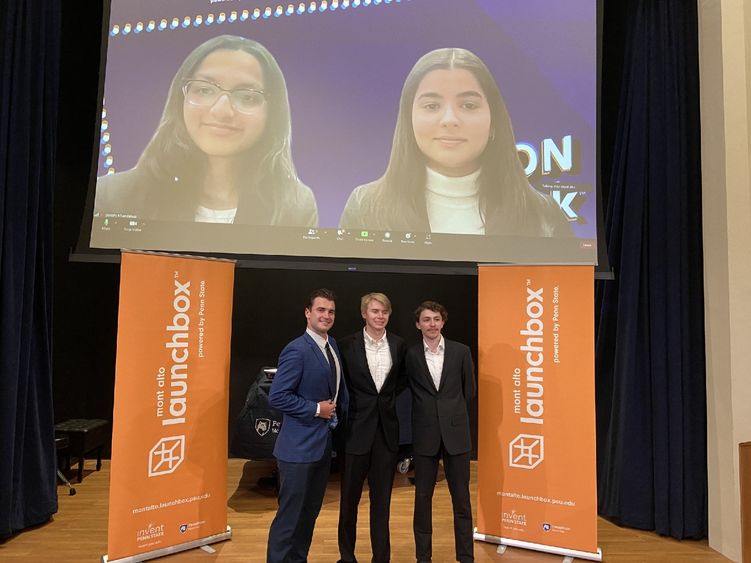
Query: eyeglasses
(205, 94)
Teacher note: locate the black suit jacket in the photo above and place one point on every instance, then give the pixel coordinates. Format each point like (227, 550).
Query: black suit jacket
(366, 405)
(441, 414)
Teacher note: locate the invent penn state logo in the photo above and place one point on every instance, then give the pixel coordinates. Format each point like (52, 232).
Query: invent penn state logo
(263, 425)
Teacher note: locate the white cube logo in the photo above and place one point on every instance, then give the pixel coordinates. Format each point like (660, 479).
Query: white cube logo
(166, 455)
(526, 451)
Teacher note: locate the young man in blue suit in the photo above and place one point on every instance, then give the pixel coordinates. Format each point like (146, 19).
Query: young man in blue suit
(442, 378)
(310, 392)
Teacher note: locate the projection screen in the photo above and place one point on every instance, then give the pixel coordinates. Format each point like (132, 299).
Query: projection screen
(432, 130)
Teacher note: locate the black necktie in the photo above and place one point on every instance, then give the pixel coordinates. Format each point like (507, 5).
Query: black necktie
(332, 366)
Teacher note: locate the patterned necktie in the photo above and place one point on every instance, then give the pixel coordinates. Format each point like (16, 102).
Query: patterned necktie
(332, 366)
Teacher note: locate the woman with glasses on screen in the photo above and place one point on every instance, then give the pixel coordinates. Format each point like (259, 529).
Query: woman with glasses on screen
(454, 167)
(221, 153)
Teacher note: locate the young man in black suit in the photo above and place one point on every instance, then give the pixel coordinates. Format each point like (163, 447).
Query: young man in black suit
(442, 378)
(373, 361)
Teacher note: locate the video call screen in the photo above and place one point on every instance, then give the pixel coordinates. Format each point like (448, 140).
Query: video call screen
(438, 130)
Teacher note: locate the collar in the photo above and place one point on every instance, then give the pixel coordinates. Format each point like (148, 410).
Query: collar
(440, 348)
(451, 186)
(370, 340)
(320, 340)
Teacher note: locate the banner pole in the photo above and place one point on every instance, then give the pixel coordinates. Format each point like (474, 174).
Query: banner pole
(507, 542)
(172, 549)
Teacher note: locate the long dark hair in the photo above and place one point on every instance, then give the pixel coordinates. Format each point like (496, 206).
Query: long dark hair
(508, 203)
(267, 175)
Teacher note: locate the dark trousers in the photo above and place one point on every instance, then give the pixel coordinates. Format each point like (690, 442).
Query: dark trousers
(378, 466)
(456, 468)
(301, 490)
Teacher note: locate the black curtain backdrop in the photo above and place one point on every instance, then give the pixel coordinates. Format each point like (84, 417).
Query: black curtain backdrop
(29, 35)
(651, 413)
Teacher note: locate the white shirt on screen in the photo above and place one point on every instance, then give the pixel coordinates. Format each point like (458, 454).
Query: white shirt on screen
(379, 358)
(454, 203)
(434, 361)
(206, 215)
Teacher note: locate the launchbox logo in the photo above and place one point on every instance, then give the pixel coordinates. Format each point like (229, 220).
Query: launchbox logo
(526, 451)
(166, 456)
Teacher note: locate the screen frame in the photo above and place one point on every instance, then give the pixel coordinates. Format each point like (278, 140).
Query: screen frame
(83, 252)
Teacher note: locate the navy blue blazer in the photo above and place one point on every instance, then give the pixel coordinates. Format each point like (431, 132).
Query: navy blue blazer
(302, 380)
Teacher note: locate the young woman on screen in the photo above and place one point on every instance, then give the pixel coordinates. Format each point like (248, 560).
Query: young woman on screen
(454, 167)
(221, 152)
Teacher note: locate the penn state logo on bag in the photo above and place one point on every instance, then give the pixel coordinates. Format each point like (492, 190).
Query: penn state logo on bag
(263, 425)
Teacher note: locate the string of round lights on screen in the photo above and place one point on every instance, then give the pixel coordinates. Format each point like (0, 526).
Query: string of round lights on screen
(291, 9)
(104, 142)
(185, 22)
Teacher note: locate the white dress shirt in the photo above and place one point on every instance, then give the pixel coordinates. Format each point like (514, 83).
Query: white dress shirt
(379, 358)
(322, 345)
(435, 361)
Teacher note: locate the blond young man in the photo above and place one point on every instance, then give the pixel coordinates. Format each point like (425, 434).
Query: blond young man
(373, 360)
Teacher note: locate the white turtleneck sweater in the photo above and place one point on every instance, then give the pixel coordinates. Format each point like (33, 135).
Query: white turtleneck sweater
(454, 204)
(207, 215)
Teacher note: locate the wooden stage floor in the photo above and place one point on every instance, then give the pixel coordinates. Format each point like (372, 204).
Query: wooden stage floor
(78, 532)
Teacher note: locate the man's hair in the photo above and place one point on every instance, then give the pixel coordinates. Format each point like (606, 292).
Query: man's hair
(322, 292)
(366, 299)
(431, 306)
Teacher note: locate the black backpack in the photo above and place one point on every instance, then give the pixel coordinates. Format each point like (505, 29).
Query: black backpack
(258, 424)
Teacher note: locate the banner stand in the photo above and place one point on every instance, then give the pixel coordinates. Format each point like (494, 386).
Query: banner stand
(172, 549)
(567, 553)
(536, 466)
(168, 474)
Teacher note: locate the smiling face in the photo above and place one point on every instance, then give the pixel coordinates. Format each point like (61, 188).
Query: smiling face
(320, 315)
(219, 130)
(451, 121)
(376, 316)
(430, 323)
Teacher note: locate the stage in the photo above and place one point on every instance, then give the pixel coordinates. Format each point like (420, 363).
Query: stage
(78, 532)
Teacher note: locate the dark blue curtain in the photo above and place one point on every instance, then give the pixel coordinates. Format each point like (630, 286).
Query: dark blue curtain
(651, 414)
(29, 35)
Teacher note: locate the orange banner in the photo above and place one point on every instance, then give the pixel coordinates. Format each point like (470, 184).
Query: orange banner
(536, 442)
(169, 449)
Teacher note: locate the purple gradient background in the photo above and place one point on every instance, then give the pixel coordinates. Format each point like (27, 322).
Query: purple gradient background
(345, 69)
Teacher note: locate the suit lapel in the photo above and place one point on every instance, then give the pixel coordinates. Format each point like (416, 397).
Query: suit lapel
(340, 372)
(362, 359)
(392, 352)
(446, 356)
(392, 348)
(316, 350)
(322, 360)
(425, 368)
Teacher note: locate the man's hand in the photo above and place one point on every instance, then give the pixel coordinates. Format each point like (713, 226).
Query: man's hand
(327, 408)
